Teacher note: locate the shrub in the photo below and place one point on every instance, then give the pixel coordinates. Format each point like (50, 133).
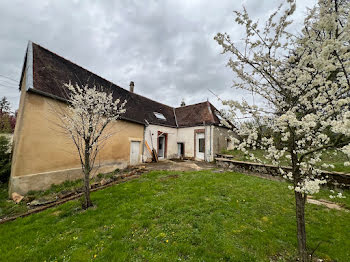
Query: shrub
(5, 159)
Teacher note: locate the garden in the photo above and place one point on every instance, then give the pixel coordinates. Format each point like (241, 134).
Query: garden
(180, 216)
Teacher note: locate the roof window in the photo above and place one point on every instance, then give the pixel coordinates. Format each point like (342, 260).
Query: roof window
(219, 115)
(159, 116)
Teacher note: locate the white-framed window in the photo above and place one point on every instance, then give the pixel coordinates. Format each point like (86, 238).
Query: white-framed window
(219, 116)
(159, 116)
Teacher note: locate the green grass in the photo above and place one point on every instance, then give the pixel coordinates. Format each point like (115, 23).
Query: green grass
(175, 216)
(328, 157)
(9, 208)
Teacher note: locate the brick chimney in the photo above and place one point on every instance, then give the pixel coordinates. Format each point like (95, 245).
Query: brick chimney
(132, 85)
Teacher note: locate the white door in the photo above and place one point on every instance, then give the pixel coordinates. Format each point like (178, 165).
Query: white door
(134, 152)
(200, 146)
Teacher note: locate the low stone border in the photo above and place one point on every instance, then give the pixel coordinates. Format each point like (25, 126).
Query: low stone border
(123, 178)
(338, 179)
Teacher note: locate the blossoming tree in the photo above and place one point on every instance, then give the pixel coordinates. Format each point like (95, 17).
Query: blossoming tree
(304, 82)
(86, 119)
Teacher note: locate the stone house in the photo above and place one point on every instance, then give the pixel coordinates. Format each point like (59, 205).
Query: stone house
(43, 156)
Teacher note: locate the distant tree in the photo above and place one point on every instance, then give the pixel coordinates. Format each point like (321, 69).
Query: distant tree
(5, 123)
(4, 105)
(7, 120)
(305, 82)
(5, 159)
(85, 121)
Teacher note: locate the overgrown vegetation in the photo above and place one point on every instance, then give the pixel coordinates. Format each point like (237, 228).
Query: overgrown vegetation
(179, 216)
(5, 159)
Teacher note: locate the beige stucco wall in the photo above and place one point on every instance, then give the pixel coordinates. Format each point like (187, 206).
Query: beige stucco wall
(186, 135)
(178, 135)
(221, 139)
(43, 155)
(151, 136)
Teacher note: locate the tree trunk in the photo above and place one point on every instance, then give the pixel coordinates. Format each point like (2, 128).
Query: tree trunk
(87, 201)
(301, 233)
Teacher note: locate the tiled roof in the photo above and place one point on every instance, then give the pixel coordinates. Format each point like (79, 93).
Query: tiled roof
(197, 114)
(51, 71)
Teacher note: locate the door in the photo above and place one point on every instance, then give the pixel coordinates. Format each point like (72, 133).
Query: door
(134, 152)
(161, 146)
(180, 150)
(200, 146)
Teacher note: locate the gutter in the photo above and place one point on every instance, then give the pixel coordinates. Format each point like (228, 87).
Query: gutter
(144, 140)
(29, 66)
(210, 142)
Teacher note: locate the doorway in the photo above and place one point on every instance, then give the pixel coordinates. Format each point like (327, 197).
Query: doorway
(200, 146)
(180, 150)
(161, 146)
(134, 152)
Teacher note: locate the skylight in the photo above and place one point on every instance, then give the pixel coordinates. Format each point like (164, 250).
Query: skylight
(219, 115)
(159, 116)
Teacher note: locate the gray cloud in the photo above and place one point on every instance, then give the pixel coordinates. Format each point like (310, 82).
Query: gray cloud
(165, 47)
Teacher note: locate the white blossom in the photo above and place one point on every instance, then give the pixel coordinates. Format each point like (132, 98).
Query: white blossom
(305, 82)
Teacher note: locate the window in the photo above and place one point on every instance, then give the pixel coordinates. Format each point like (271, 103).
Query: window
(201, 145)
(219, 115)
(159, 116)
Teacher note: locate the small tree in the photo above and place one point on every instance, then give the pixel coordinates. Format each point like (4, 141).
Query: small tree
(85, 121)
(7, 120)
(305, 83)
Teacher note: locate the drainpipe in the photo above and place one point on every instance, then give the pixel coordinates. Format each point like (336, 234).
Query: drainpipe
(144, 141)
(210, 150)
(205, 139)
(175, 118)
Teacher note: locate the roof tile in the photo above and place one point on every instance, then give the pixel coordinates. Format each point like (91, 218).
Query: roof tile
(51, 71)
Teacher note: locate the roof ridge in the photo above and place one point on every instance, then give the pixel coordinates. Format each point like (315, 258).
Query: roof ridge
(111, 81)
(77, 65)
(191, 105)
(113, 84)
(142, 109)
(149, 98)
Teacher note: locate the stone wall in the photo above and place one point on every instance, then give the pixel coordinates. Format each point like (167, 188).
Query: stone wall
(333, 178)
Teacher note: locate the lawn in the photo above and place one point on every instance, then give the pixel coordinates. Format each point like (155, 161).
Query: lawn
(178, 216)
(9, 208)
(329, 157)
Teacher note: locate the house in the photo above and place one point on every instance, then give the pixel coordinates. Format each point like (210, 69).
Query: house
(42, 155)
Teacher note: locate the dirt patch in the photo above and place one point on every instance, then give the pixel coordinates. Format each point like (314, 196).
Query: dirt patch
(326, 203)
(177, 160)
(180, 165)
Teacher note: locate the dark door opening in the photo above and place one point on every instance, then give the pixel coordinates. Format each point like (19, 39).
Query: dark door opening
(181, 150)
(161, 146)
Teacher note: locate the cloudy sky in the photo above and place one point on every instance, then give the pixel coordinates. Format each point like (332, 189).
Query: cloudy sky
(165, 47)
